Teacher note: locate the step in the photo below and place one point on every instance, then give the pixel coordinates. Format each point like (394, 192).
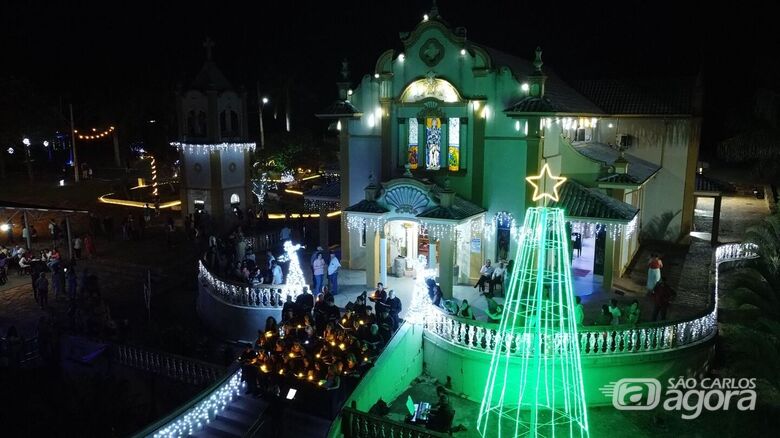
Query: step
(219, 428)
(247, 405)
(238, 419)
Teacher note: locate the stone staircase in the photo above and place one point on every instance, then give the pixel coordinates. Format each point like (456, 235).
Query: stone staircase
(236, 420)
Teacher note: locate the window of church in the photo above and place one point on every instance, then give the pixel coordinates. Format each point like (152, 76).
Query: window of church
(234, 123)
(453, 151)
(433, 143)
(223, 128)
(414, 134)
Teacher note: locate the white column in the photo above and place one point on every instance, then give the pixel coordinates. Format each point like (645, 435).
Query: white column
(446, 262)
(383, 257)
(431, 253)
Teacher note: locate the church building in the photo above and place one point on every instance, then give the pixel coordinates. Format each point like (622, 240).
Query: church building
(436, 144)
(215, 154)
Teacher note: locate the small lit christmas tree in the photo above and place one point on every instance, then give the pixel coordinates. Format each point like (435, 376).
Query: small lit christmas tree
(534, 385)
(295, 280)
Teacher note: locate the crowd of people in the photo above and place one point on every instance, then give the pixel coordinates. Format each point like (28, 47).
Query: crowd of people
(316, 342)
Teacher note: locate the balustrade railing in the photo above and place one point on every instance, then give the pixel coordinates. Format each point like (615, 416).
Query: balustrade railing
(257, 295)
(169, 365)
(356, 424)
(593, 340)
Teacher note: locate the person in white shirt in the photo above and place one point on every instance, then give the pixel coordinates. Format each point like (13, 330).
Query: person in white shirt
(497, 277)
(277, 274)
(485, 274)
(579, 312)
(333, 274)
(77, 245)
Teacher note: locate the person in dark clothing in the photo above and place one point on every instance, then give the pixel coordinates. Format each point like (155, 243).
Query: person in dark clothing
(249, 372)
(289, 306)
(441, 416)
(662, 296)
(394, 307)
(304, 302)
(42, 285)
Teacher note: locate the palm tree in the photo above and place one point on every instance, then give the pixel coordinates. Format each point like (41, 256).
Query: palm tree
(658, 227)
(759, 282)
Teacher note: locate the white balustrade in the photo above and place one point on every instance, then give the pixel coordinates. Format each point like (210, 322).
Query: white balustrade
(606, 340)
(260, 295)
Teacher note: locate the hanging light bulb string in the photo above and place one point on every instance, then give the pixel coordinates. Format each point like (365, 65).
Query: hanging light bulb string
(94, 135)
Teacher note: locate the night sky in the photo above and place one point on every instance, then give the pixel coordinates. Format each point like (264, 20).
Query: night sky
(120, 61)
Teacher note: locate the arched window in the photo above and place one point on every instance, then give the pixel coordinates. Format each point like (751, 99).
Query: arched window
(192, 123)
(223, 127)
(234, 199)
(201, 123)
(430, 87)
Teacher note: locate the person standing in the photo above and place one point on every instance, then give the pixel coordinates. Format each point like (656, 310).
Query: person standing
(72, 282)
(58, 282)
(333, 274)
(662, 296)
(653, 272)
(89, 245)
(318, 267)
(579, 312)
(42, 286)
(614, 310)
(276, 272)
(285, 234)
(77, 246)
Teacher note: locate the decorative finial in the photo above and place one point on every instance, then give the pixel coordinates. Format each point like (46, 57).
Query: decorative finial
(408, 171)
(447, 183)
(344, 70)
(208, 44)
(539, 182)
(371, 180)
(538, 60)
(434, 9)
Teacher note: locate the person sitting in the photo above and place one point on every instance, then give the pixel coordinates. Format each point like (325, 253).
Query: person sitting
(497, 277)
(605, 317)
(465, 310)
(332, 379)
(451, 307)
(380, 408)
(485, 274)
(385, 323)
(493, 311)
(441, 416)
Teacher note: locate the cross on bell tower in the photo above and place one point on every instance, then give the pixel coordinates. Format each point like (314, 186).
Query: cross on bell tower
(208, 44)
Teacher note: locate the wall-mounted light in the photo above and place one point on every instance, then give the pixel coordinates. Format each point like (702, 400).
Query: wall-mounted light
(525, 87)
(463, 52)
(401, 57)
(425, 17)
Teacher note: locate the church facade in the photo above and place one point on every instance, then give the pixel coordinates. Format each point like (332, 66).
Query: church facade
(437, 142)
(215, 153)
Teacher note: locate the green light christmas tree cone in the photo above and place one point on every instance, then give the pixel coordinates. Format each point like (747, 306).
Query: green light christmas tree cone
(534, 385)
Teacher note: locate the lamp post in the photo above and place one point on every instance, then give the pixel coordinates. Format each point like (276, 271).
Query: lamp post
(261, 101)
(28, 157)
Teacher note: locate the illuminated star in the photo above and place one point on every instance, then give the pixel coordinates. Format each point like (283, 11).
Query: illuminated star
(540, 183)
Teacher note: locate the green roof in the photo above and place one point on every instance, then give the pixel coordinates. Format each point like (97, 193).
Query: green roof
(580, 202)
(367, 207)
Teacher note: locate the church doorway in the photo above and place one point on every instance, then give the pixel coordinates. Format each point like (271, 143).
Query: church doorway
(406, 241)
(587, 253)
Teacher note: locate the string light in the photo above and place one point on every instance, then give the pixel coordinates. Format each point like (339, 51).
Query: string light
(194, 148)
(94, 135)
(356, 222)
(205, 411)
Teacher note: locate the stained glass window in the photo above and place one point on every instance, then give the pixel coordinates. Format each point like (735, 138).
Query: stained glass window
(433, 143)
(413, 142)
(453, 152)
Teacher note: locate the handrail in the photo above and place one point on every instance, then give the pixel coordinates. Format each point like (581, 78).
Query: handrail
(363, 424)
(595, 340)
(176, 367)
(199, 410)
(258, 295)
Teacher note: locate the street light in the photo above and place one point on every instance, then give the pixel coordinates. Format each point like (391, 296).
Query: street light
(26, 142)
(263, 101)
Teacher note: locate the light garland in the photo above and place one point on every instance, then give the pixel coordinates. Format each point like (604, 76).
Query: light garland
(206, 410)
(261, 186)
(439, 230)
(615, 230)
(258, 295)
(295, 280)
(95, 135)
(287, 177)
(318, 204)
(194, 148)
(356, 222)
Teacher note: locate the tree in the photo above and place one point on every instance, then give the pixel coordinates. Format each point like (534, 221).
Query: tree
(760, 287)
